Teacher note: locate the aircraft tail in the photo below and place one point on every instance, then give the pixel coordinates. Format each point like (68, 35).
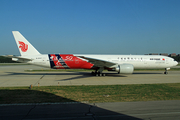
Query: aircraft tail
(25, 48)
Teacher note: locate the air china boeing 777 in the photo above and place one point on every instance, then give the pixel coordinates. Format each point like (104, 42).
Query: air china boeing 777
(120, 63)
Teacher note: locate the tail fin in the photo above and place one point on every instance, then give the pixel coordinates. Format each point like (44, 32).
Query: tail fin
(25, 48)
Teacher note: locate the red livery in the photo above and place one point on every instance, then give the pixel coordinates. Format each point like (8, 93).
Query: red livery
(68, 61)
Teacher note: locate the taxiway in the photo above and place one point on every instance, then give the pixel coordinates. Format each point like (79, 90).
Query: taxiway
(16, 76)
(151, 110)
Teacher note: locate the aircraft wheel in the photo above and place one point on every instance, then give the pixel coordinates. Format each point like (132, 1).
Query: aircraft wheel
(166, 73)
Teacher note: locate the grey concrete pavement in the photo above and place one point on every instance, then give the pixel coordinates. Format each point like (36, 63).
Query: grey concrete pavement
(15, 76)
(151, 110)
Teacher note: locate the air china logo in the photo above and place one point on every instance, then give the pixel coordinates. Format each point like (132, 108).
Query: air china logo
(23, 46)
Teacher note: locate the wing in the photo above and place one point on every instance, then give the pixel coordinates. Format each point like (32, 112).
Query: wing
(98, 62)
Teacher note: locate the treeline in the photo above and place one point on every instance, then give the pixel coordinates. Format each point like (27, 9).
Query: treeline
(177, 58)
(6, 60)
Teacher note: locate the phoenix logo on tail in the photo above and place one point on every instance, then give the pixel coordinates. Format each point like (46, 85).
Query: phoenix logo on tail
(23, 46)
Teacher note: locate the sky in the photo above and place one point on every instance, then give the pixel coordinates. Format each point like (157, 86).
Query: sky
(92, 26)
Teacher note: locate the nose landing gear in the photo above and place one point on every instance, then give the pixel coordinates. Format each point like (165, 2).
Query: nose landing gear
(165, 72)
(166, 69)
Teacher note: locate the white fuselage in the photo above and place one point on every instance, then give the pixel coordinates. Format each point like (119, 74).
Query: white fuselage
(138, 61)
(118, 63)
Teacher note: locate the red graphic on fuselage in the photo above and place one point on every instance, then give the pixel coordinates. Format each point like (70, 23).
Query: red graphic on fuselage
(23, 46)
(68, 61)
(56, 61)
(75, 63)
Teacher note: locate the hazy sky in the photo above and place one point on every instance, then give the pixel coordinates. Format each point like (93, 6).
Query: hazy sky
(92, 26)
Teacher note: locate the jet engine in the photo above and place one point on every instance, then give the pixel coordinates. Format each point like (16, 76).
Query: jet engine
(124, 69)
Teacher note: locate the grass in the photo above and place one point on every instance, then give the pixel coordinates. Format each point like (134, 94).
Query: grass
(92, 94)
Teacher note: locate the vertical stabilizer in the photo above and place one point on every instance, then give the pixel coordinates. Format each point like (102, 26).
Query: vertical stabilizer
(25, 48)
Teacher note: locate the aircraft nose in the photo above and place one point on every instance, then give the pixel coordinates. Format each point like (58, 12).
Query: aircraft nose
(176, 63)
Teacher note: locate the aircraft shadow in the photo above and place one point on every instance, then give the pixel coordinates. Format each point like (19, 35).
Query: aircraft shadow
(75, 75)
(54, 107)
(89, 75)
(60, 73)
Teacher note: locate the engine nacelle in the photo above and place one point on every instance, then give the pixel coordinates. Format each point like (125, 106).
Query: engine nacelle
(125, 69)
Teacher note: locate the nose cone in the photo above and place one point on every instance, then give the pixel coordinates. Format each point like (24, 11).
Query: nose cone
(175, 63)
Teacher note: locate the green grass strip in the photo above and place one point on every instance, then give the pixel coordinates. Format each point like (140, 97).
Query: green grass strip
(92, 94)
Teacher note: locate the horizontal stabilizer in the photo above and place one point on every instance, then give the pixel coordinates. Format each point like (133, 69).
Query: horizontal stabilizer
(18, 57)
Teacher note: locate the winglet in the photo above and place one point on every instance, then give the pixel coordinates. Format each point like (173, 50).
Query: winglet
(25, 48)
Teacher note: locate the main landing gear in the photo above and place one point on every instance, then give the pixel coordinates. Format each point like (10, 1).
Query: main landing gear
(98, 72)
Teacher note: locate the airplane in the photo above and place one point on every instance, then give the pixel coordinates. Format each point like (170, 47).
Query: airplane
(122, 64)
